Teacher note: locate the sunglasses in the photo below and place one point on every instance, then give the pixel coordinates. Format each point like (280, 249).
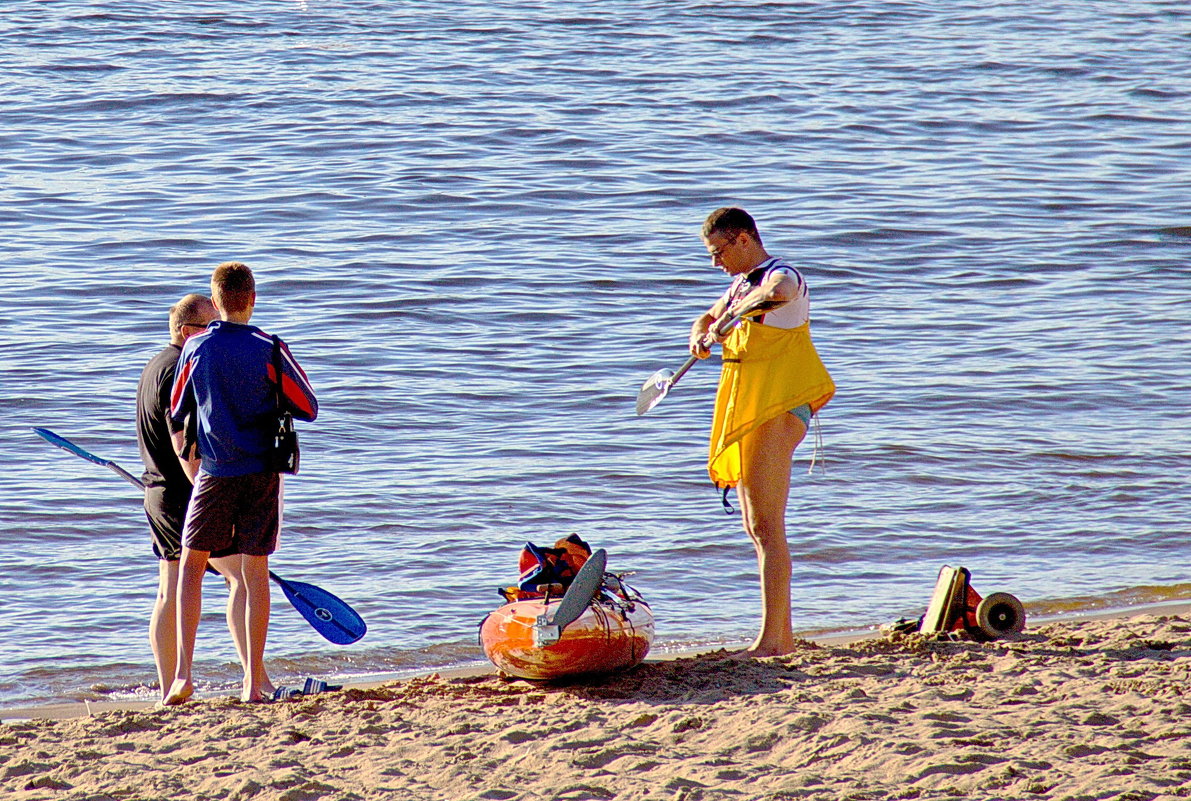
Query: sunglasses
(717, 252)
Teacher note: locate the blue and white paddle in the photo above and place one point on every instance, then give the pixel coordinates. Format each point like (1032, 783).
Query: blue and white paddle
(329, 615)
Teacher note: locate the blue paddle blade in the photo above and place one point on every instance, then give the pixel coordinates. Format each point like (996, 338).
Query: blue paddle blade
(329, 616)
(67, 445)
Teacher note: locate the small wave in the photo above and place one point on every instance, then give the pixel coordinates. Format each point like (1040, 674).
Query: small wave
(1124, 599)
(1176, 230)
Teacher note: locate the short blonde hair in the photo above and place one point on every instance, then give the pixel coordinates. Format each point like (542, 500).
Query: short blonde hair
(232, 286)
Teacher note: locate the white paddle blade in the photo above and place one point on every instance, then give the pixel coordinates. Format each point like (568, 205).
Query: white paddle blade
(653, 390)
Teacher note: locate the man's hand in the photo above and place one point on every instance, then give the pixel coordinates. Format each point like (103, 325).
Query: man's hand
(699, 344)
(190, 461)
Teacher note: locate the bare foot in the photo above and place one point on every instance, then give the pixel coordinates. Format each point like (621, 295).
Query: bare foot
(761, 653)
(257, 695)
(180, 692)
(760, 650)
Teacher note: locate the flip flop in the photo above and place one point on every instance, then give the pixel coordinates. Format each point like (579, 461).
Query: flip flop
(316, 686)
(286, 693)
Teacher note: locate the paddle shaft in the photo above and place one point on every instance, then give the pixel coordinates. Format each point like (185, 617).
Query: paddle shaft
(124, 474)
(136, 482)
(689, 363)
(69, 446)
(681, 371)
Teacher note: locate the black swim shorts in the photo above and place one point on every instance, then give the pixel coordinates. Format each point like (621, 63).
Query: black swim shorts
(166, 513)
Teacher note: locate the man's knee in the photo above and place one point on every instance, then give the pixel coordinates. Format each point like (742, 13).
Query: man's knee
(167, 581)
(229, 568)
(255, 565)
(255, 572)
(767, 533)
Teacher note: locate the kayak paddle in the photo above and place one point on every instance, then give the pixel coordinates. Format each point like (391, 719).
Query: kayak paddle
(658, 385)
(67, 445)
(329, 615)
(584, 587)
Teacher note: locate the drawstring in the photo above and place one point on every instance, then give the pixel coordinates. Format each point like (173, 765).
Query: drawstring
(818, 446)
(728, 510)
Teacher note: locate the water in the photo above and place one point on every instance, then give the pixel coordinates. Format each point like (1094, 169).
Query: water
(477, 225)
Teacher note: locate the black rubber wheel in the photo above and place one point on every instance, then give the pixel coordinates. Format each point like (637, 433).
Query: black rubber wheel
(1000, 614)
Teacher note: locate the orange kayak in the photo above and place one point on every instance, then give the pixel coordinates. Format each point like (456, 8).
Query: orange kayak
(613, 633)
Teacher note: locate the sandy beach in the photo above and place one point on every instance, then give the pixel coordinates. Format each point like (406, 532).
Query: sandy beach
(1090, 709)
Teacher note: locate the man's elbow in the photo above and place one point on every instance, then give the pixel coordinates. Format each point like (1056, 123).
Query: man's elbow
(305, 409)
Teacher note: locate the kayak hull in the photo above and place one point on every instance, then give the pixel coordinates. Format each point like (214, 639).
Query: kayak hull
(612, 634)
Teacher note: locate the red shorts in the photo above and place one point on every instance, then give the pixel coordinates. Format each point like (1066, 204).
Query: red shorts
(241, 513)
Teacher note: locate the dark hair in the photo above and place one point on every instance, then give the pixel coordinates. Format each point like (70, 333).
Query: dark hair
(232, 286)
(730, 220)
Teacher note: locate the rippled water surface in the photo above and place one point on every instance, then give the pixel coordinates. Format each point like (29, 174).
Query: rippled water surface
(477, 225)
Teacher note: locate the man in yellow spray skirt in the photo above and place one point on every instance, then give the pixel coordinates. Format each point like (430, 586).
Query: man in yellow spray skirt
(767, 372)
(772, 383)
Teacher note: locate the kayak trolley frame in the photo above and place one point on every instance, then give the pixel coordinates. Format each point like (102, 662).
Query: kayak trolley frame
(956, 608)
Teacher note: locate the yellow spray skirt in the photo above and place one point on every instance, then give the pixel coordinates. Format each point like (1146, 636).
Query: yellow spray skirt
(767, 371)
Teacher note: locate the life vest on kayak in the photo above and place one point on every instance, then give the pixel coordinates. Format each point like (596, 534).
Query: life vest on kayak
(767, 371)
(548, 569)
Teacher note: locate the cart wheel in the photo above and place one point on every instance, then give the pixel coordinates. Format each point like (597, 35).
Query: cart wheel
(1000, 614)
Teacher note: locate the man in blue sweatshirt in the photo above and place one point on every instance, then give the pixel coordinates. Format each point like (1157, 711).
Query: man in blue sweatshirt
(225, 379)
(167, 481)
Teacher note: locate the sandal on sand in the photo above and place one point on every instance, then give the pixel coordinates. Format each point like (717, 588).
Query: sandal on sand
(311, 687)
(316, 686)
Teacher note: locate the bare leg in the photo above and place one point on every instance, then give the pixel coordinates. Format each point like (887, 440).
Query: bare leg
(255, 572)
(763, 491)
(163, 626)
(230, 567)
(190, 609)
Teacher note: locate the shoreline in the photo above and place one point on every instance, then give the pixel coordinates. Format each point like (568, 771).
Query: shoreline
(1087, 710)
(76, 709)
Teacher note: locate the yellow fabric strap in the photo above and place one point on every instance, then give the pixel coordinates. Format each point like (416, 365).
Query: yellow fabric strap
(767, 371)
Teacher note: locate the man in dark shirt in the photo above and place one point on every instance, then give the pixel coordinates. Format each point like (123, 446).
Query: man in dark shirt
(168, 483)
